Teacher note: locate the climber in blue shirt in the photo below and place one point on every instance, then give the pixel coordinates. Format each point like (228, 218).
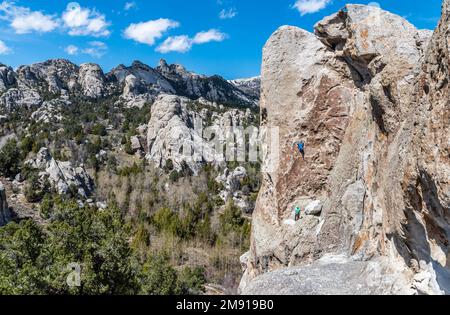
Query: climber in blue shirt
(301, 147)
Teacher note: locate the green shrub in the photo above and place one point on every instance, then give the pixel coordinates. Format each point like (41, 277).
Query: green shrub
(10, 159)
(193, 280)
(99, 130)
(35, 190)
(126, 171)
(174, 176)
(159, 277)
(165, 220)
(234, 227)
(26, 145)
(168, 167)
(46, 206)
(127, 147)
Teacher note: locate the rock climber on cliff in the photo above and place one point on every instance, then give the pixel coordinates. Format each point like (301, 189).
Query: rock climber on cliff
(301, 147)
(297, 213)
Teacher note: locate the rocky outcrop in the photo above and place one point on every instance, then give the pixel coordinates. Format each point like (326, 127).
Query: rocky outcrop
(49, 111)
(7, 78)
(191, 133)
(231, 182)
(143, 73)
(63, 177)
(175, 134)
(142, 84)
(368, 95)
(92, 80)
(57, 76)
(136, 92)
(5, 215)
(14, 99)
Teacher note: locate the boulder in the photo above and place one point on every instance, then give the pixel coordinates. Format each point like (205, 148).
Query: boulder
(135, 143)
(231, 182)
(102, 156)
(314, 208)
(133, 86)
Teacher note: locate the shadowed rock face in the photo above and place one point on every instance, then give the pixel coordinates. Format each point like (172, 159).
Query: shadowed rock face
(5, 216)
(368, 93)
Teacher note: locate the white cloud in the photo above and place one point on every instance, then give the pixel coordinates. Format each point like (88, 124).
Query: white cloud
(84, 21)
(25, 21)
(310, 6)
(227, 14)
(149, 32)
(129, 5)
(35, 21)
(184, 43)
(180, 44)
(4, 49)
(71, 50)
(96, 49)
(209, 36)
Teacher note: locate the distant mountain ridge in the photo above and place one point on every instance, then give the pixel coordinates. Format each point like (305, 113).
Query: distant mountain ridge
(31, 85)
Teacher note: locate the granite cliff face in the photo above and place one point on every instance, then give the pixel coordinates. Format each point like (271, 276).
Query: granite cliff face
(368, 93)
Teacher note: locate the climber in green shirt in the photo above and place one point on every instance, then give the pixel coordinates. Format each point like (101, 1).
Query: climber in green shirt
(297, 213)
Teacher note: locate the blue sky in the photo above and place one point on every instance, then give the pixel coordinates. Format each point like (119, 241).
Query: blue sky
(222, 37)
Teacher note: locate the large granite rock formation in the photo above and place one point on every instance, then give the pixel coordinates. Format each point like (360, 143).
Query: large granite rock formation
(56, 76)
(190, 133)
(368, 93)
(92, 80)
(175, 134)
